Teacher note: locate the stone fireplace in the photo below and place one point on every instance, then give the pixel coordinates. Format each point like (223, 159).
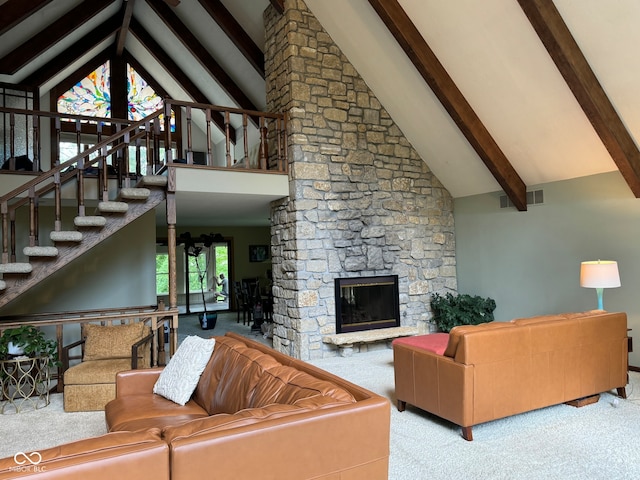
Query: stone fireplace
(361, 203)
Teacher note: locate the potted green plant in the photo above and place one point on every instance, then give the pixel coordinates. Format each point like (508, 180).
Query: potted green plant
(29, 341)
(451, 310)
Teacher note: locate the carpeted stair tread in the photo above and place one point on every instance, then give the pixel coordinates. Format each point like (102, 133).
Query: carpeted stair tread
(135, 193)
(90, 221)
(68, 236)
(40, 251)
(16, 267)
(113, 207)
(154, 180)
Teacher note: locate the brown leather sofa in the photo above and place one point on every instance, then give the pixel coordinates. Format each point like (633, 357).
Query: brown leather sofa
(256, 413)
(498, 369)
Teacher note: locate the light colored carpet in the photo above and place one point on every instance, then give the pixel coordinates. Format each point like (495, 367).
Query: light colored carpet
(599, 441)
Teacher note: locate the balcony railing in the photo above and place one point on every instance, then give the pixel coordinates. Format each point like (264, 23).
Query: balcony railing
(114, 149)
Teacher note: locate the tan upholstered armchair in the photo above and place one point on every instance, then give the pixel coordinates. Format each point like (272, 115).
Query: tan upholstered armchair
(106, 350)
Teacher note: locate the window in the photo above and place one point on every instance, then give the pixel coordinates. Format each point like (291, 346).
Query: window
(198, 267)
(91, 96)
(162, 273)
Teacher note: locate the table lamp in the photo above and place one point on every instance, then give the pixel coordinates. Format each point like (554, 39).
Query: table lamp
(599, 274)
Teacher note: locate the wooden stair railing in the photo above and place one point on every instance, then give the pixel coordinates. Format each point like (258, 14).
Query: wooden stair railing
(110, 200)
(114, 200)
(157, 316)
(269, 154)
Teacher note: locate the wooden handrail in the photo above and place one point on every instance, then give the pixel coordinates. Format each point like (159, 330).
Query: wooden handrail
(157, 316)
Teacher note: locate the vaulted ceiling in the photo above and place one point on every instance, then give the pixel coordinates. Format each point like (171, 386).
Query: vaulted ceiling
(494, 95)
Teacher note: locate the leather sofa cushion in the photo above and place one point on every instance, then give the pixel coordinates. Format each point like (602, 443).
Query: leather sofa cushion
(434, 342)
(243, 370)
(133, 412)
(210, 378)
(283, 384)
(224, 421)
(458, 332)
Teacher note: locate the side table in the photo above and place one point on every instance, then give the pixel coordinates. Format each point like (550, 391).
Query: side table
(24, 384)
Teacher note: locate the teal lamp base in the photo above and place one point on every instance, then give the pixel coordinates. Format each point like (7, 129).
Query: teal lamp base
(600, 292)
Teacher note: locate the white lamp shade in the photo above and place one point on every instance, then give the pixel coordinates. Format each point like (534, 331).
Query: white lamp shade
(599, 274)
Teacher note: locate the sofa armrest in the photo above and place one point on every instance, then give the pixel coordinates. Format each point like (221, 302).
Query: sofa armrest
(114, 455)
(138, 346)
(136, 382)
(65, 354)
(434, 383)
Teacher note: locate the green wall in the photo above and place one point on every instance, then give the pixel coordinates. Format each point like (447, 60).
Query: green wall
(529, 262)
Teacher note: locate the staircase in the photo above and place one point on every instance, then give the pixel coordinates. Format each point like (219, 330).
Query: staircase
(110, 216)
(65, 244)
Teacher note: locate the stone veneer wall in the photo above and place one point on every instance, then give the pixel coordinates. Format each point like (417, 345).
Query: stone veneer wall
(362, 202)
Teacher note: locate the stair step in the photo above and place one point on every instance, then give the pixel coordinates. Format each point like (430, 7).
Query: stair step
(154, 180)
(90, 221)
(135, 193)
(70, 236)
(113, 207)
(3, 285)
(40, 251)
(16, 267)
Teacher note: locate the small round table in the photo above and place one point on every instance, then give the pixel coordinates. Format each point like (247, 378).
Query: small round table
(24, 384)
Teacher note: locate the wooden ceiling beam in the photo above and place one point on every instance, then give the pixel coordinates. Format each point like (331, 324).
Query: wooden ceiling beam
(74, 52)
(127, 14)
(278, 5)
(454, 102)
(574, 67)
(48, 37)
(236, 33)
(14, 11)
(193, 45)
(164, 59)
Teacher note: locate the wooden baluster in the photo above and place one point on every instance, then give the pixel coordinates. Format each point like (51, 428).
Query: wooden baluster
(58, 128)
(152, 155)
(80, 175)
(283, 144)
(32, 217)
(227, 138)
(189, 139)
(167, 132)
(99, 131)
(5, 231)
(58, 202)
(12, 141)
(36, 143)
(210, 159)
(139, 159)
(12, 235)
(123, 169)
(78, 137)
(245, 140)
(104, 171)
(262, 151)
(279, 141)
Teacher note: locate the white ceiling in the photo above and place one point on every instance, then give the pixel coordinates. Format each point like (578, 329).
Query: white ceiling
(488, 47)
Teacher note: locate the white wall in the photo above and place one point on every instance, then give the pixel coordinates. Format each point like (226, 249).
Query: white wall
(529, 262)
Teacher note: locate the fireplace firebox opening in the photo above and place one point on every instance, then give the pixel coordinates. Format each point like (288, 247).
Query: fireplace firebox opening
(367, 303)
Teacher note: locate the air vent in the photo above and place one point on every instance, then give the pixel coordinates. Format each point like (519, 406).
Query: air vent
(535, 197)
